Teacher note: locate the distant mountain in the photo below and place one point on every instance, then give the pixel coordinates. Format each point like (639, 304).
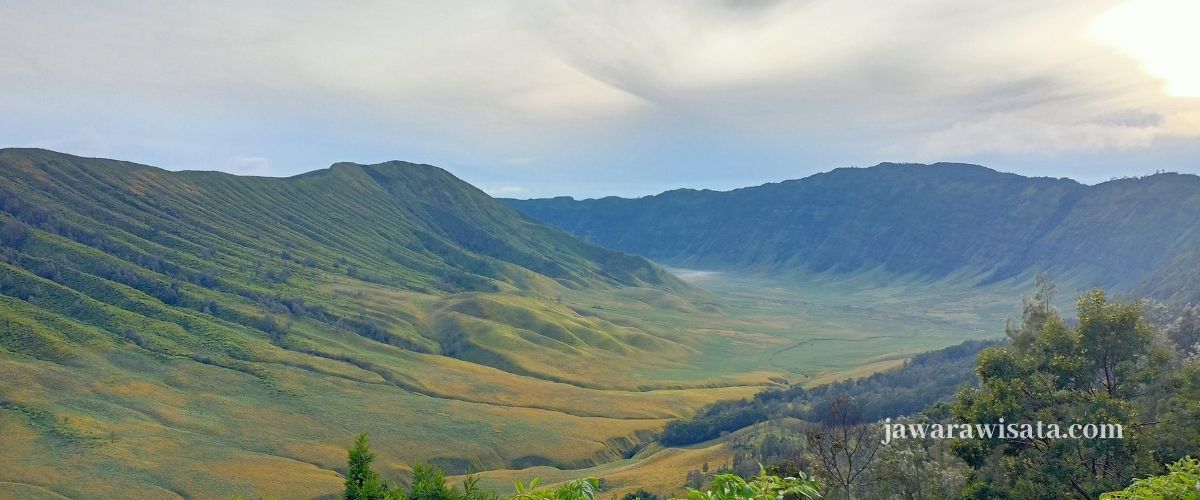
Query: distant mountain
(1139, 234)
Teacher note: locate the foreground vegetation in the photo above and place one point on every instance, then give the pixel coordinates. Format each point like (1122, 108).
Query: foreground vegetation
(1182, 481)
(429, 483)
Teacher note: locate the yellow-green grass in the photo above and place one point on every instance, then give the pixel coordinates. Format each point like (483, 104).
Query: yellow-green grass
(180, 425)
(112, 420)
(801, 328)
(659, 470)
(662, 471)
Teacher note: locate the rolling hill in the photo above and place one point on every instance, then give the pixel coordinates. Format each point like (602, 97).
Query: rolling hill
(199, 334)
(1139, 234)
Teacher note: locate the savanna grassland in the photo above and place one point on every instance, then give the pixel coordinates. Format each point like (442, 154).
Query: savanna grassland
(197, 334)
(800, 331)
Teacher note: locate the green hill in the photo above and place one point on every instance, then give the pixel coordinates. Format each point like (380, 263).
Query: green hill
(198, 333)
(935, 220)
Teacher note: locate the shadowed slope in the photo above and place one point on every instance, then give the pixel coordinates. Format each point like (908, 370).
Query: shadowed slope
(928, 220)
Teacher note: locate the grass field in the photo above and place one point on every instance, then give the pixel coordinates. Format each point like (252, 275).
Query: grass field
(805, 330)
(114, 421)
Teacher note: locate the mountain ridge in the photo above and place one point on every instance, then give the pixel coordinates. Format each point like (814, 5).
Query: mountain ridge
(441, 195)
(930, 220)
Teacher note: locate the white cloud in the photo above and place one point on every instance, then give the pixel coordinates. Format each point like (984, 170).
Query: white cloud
(640, 91)
(1016, 135)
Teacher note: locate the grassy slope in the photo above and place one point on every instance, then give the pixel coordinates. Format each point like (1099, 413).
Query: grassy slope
(134, 330)
(658, 470)
(259, 323)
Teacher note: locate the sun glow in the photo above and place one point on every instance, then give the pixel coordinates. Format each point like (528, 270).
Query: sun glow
(1163, 35)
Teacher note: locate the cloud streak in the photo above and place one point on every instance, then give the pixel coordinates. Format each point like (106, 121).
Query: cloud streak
(708, 93)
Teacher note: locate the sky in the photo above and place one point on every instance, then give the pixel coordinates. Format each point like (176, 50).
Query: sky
(592, 98)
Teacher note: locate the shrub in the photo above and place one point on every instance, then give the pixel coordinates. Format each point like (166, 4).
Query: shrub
(1181, 481)
(761, 487)
(579, 489)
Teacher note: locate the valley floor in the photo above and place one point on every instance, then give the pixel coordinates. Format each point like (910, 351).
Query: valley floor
(117, 422)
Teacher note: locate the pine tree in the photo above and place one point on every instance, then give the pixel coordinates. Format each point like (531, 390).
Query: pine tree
(362, 483)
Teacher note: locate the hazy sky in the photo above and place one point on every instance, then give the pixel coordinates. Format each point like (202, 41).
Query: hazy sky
(591, 98)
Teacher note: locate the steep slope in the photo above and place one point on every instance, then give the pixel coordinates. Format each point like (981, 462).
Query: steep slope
(929, 220)
(417, 218)
(196, 333)
(206, 240)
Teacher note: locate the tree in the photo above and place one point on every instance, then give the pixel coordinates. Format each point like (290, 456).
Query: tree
(1035, 312)
(1179, 411)
(13, 233)
(1089, 374)
(362, 483)
(429, 482)
(1184, 331)
(845, 445)
(915, 469)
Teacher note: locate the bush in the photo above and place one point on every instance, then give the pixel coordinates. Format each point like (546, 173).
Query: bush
(1181, 481)
(640, 495)
(762, 487)
(579, 489)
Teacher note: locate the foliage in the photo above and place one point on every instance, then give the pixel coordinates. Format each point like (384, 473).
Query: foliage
(761, 487)
(1182, 482)
(428, 483)
(640, 494)
(713, 421)
(912, 469)
(361, 482)
(1180, 325)
(1092, 373)
(579, 489)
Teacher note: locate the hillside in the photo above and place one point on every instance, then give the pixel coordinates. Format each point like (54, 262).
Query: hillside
(216, 243)
(908, 219)
(197, 334)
